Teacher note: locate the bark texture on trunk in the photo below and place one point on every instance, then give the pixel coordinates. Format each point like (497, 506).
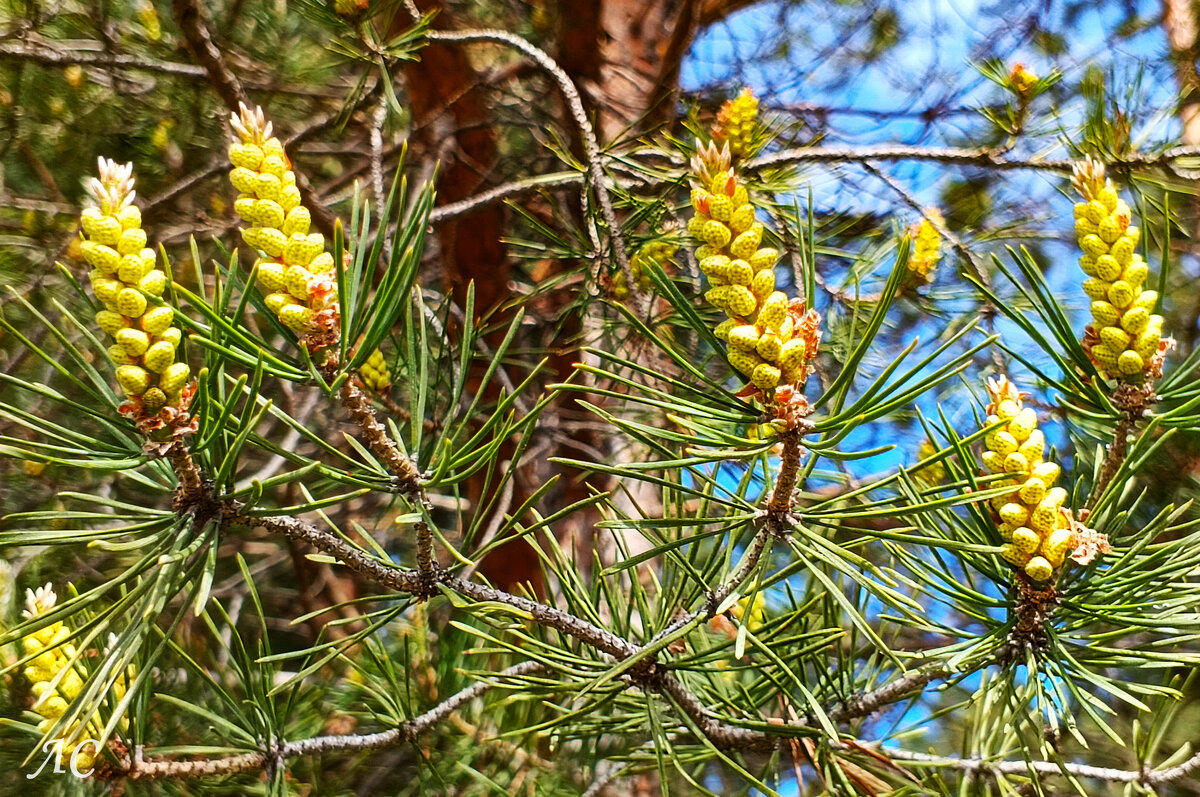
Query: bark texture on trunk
(1181, 22)
(451, 112)
(625, 57)
(1183, 32)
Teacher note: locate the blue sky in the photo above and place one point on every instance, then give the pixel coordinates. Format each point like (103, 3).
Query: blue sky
(932, 65)
(941, 41)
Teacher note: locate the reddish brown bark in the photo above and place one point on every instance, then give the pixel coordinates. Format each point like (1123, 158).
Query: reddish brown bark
(625, 56)
(1183, 30)
(1182, 25)
(452, 118)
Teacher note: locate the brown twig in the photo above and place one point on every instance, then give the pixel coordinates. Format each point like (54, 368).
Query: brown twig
(1034, 604)
(406, 477)
(982, 157)
(867, 703)
(587, 134)
(405, 473)
(1146, 776)
(136, 769)
(1133, 401)
(190, 19)
(382, 573)
(191, 481)
(789, 470)
(93, 54)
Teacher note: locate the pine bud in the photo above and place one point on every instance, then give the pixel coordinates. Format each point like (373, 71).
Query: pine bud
(171, 335)
(133, 379)
(770, 347)
(741, 301)
(110, 322)
(1014, 514)
(1135, 320)
(154, 283)
(1038, 569)
(297, 221)
(99, 256)
(156, 320)
(1025, 540)
(1057, 544)
(130, 302)
(747, 243)
(765, 376)
(159, 356)
(133, 341)
(1001, 441)
(1130, 363)
(154, 399)
(1114, 338)
(1013, 556)
(375, 374)
(174, 378)
(132, 240)
(764, 258)
(763, 284)
(297, 317)
(740, 273)
(122, 279)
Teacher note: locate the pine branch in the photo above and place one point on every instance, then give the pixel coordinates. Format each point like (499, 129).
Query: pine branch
(1134, 402)
(591, 145)
(867, 703)
(1146, 777)
(190, 19)
(139, 769)
(93, 54)
(716, 597)
(220, 164)
(404, 472)
(981, 157)
(785, 483)
(500, 193)
(80, 53)
(648, 674)
(386, 575)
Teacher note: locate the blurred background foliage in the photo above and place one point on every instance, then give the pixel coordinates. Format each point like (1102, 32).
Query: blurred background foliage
(356, 95)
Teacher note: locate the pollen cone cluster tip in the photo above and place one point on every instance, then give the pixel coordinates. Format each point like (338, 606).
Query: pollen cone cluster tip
(737, 125)
(1038, 532)
(772, 340)
(126, 279)
(1125, 339)
(926, 247)
(375, 374)
(296, 274)
(660, 253)
(55, 680)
